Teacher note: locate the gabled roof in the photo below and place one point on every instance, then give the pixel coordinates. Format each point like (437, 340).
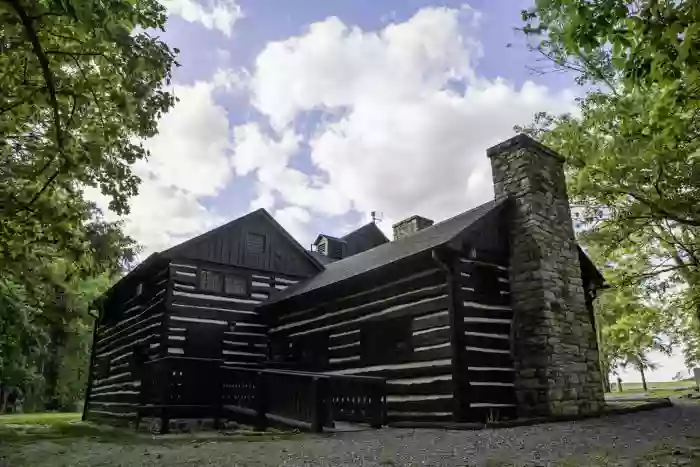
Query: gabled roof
(366, 237)
(329, 237)
(174, 251)
(387, 253)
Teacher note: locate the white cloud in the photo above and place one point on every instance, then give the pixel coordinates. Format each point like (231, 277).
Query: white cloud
(216, 14)
(393, 133)
(189, 160)
(295, 220)
(231, 80)
(269, 158)
(335, 65)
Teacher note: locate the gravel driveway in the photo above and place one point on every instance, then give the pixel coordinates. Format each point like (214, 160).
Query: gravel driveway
(622, 438)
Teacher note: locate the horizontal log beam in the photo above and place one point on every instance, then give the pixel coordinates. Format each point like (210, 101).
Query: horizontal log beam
(419, 280)
(441, 386)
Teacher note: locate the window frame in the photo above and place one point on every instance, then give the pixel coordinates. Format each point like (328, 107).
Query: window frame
(246, 277)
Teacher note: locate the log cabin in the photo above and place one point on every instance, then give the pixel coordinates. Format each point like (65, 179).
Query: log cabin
(484, 316)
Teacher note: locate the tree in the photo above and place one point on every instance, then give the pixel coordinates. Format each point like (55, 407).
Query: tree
(628, 316)
(633, 150)
(82, 84)
(625, 45)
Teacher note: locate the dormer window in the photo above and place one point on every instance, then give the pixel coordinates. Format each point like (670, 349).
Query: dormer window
(330, 246)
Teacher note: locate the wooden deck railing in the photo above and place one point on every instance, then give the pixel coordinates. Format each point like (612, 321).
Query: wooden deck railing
(181, 387)
(313, 399)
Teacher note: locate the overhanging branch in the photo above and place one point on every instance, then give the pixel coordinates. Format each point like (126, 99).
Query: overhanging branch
(31, 32)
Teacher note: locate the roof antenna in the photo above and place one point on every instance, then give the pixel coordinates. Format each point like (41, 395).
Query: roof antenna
(376, 216)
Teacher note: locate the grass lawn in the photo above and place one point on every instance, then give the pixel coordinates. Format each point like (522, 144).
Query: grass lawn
(19, 428)
(657, 389)
(39, 418)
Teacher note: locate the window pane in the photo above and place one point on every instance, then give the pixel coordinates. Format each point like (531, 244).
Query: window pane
(210, 281)
(236, 285)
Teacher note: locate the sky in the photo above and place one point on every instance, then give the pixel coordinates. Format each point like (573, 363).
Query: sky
(321, 111)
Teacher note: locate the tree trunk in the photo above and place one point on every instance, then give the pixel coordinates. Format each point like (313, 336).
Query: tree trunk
(644, 379)
(51, 371)
(4, 393)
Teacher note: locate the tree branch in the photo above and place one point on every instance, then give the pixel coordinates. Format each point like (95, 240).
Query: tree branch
(51, 86)
(691, 221)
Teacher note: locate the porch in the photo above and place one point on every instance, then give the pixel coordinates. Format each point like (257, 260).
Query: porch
(177, 387)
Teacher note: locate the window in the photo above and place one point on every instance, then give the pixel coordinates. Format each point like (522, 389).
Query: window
(218, 282)
(255, 243)
(386, 341)
(210, 281)
(236, 285)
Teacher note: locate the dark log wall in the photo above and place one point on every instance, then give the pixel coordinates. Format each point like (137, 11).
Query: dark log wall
(128, 335)
(204, 324)
(397, 327)
(483, 310)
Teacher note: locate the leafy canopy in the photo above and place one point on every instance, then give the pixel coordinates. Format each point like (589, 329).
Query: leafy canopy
(82, 84)
(633, 153)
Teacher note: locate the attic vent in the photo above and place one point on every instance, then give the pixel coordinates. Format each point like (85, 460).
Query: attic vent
(255, 243)
(321, 247)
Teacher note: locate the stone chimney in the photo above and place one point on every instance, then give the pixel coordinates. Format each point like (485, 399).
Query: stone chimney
(410, 226)
(555, 349)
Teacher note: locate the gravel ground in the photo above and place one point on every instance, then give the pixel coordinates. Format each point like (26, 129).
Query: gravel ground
(621, 438)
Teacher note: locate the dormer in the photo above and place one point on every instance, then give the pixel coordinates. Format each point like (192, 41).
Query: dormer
(331, 247)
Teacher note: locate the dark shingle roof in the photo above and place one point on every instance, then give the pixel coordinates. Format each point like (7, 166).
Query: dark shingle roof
(321, 258)
(366, 237)
(388, 253)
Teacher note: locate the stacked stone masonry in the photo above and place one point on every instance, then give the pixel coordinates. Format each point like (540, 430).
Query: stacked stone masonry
(555, 350)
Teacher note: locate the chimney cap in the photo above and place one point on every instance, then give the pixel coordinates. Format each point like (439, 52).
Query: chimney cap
(520, 141)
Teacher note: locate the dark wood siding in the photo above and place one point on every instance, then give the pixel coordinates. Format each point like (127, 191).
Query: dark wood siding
(482, 306)
(252, 242)
(420, 380)
(228, 322)
(129, 335)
